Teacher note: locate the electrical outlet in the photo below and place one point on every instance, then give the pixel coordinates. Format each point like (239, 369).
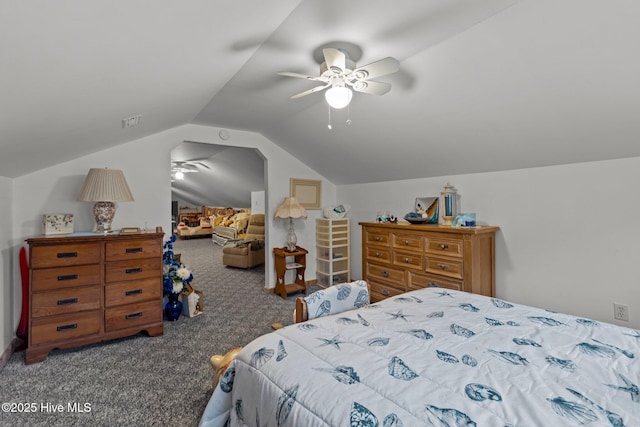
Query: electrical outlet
(621, 312)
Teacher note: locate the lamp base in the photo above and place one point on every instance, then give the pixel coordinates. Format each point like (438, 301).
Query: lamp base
(104, 213)
(292, 240)
(447, 220)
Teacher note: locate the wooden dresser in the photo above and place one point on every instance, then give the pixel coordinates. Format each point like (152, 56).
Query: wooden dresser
(402, 257)
(86, 289)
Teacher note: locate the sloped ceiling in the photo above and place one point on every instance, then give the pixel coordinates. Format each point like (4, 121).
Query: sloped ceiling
(225, 175)
(483, 86)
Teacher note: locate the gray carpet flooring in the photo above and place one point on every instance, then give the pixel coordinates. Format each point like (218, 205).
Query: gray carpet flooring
(145, 381)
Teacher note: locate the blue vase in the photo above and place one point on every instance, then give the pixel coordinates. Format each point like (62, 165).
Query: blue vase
(173, 308)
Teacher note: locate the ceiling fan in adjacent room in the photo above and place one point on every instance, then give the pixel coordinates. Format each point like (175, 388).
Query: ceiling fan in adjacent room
(179, 168)
(340, 76)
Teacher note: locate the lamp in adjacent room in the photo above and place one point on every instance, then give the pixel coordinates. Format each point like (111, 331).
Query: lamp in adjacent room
(104, 187)
(291, 209)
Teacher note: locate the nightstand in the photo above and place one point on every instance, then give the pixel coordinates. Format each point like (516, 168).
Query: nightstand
(290, 260)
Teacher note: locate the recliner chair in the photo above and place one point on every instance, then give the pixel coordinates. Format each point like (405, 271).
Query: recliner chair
(249, 252)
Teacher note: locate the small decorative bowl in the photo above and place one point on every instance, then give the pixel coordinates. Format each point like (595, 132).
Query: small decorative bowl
(336, 212)
(413, 219)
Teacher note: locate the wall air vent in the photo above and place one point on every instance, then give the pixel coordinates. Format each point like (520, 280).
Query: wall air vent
(131, 121)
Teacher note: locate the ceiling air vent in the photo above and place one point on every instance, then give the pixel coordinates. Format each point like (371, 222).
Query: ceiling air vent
(131, 121)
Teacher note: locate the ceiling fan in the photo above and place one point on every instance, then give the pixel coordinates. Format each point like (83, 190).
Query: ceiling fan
(179, 168)
(340, 76)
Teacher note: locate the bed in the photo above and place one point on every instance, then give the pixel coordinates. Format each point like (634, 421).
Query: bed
(231, 226)
(434, 357)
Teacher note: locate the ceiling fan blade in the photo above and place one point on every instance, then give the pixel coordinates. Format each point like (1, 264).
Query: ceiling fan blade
(334, 58)
(312, 90)
(300, 76)
(370, 87)
(204, 165)
(379, 68)
(184, 167)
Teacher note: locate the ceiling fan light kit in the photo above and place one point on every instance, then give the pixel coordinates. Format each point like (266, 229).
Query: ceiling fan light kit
(338, 97)
(180, 168)
(340, 76)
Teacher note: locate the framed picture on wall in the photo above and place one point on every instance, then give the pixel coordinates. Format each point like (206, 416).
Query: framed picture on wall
(307, 191)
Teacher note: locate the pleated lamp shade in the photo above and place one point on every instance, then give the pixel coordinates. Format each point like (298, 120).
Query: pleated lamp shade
(105, 186)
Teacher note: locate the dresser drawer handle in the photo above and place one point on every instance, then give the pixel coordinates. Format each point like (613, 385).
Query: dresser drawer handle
(133, 315)
(407, 242)
(443, 266)
(67, 254)
(433, 285)
(407, 260)
(133, 270)
(67, 277)
(135, 292)
(385, 292)
(378, 254)
(384, 273)
(443, 247)
(67, 301)
(378, 238)
(133, 250)
(67, 327)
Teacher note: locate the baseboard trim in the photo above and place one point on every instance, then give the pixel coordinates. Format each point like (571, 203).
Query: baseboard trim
(15, 344)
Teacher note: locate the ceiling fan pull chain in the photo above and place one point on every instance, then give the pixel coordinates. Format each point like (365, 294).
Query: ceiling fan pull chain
(348, 114)
(329, 125)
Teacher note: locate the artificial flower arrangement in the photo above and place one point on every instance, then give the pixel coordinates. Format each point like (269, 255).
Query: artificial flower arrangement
(175, 275)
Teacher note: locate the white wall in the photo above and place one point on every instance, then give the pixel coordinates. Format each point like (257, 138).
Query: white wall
(146, 164)
(568, 239)
(10, 291)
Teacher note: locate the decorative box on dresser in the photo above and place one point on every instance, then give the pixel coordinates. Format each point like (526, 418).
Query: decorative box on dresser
(402, 257)
(89, 288)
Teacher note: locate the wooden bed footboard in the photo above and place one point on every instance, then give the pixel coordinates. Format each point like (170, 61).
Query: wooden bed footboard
(302, 312)
(220, 363)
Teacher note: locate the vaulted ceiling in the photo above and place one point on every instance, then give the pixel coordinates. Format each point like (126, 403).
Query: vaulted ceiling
(221, 175)
(483, 85)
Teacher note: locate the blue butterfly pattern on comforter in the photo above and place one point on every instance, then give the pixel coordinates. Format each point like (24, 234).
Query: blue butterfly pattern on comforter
(435, 357)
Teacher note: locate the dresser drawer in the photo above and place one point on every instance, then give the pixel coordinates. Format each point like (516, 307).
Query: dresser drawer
(420, 281)
(65, 326)
(386, 273)
(132, 291)
(378, 254)
(444, 246)
(444, 267)
(65, 254)
(126, 316)
(133, 249)
(380, 291)
(407, 242)
(64, 277)
(136, 269)
(379, 238)
(408, 259)
(67, 300)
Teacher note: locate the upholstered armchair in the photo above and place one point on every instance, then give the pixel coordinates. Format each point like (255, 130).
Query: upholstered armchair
(249, 252)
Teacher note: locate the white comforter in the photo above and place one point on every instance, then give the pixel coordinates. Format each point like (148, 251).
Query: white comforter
(435, 357)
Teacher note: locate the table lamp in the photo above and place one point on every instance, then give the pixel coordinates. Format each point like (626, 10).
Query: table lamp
(104, 187)
(291, 208)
